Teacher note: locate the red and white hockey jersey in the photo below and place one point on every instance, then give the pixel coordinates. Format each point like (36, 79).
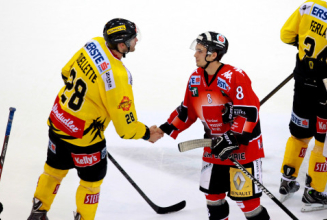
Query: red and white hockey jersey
(205, 98)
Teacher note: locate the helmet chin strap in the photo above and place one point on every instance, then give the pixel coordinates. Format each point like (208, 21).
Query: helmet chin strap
(208, 62)
(124, 54)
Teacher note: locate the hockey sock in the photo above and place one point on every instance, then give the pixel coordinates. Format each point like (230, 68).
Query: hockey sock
(294, 153)
(87, 199)
(48, 186)
(318, 167)
(218, 208)
(262, 214)
(253, 210)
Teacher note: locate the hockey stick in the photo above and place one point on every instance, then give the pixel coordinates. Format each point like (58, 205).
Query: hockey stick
(264, 189)
(157, 209)
(5, 144)
(276, 89)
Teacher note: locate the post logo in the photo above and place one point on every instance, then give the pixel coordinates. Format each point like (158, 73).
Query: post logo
(221, 83)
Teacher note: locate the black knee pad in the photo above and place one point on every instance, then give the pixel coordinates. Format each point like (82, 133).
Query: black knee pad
(218, 212)
(263, 215)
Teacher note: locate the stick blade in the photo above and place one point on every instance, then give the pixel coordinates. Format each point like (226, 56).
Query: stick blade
(174, 208)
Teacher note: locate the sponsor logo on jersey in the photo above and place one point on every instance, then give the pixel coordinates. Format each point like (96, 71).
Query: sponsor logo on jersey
(103, 153)
(109, 80)
(66, 122)
(301, 122)
(56, 189)
(125, 104)
(259, 144)
(194, 91)
(92, 198)
(303, 152)
(130, 78)
(321, 167)
(228, 75)
(213, 121)
(206, 166)
(239, 180)
(98, 56)
(319, 12)
(52, 147)
(321, 125)
(195, 80)
(116, 29)
(221, 83)
(86, 160)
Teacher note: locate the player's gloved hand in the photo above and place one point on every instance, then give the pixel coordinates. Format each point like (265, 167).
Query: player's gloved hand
(224, 145)
(228, 113)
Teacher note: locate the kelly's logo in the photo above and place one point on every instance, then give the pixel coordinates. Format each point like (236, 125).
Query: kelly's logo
(85, 160)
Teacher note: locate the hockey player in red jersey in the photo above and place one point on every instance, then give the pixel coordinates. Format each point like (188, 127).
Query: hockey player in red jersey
(221, 96)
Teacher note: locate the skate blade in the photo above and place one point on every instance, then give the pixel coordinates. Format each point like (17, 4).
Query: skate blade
(313, 207)
(283, 198)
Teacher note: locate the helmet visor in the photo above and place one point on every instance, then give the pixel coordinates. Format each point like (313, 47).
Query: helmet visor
(196, 42)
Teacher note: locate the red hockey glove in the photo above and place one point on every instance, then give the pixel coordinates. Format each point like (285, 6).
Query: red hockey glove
(224, 145)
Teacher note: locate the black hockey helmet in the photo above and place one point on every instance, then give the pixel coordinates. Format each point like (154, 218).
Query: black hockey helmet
(214, 42)
(119, 30)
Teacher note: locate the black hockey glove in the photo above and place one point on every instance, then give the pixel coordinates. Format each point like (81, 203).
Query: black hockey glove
(224, 145)
(228, 113)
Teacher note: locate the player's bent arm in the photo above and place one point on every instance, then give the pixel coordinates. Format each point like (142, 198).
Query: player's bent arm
(121, 108)
(179, 120)
(290, 30)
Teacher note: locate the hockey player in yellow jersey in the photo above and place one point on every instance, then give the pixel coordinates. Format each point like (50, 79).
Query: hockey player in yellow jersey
(98, 89)
(306, 29)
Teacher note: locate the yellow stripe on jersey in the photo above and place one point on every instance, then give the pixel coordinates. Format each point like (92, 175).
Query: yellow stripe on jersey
(98, 89)
(309, 23)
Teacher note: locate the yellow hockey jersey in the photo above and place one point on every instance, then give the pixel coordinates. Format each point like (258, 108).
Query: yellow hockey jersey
(98, 89)
(309, 23)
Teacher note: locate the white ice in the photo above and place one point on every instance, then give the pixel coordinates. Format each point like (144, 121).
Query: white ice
(39, 37)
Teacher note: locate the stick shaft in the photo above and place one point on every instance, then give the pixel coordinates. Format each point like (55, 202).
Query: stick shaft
(262, 187)
(276, 89)
(6, 140)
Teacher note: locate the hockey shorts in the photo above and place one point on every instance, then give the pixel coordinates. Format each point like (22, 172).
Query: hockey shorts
(90, 162)
(217, 179)
(309, 115)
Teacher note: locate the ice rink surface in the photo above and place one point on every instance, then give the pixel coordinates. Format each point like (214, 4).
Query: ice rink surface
(39, 37)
